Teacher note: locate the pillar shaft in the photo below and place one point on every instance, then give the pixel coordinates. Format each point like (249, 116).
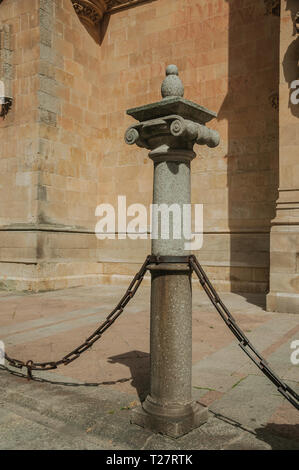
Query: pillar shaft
(172, 187)
(171, 296)
(171, 337)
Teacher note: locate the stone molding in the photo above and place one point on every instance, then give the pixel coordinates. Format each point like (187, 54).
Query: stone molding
(113, 5)
(90, 12)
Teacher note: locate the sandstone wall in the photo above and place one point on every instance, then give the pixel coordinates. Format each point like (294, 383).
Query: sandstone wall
(19, 22)
(227, 54)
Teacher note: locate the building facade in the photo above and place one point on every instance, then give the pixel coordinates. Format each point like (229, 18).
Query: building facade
(71, 69)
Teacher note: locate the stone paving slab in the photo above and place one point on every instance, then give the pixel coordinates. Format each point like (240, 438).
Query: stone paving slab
(47, 416)
(86, 405)
(222, 369)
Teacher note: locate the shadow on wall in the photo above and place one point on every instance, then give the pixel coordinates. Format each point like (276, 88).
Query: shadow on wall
(251, 109)
(290, 61)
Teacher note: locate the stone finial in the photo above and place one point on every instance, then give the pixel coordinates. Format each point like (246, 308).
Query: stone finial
(172, 84)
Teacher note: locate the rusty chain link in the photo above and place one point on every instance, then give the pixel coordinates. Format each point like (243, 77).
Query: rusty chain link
(244, 342)
(96, 335)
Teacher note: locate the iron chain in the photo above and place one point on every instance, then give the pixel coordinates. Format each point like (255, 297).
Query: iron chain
(244, 342)
(96, 335)
(225, 314)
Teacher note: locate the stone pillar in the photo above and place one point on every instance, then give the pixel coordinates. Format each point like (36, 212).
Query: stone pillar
(169, 129)
(284, 242)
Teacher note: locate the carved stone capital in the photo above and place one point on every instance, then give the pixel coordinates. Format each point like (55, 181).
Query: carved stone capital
(171, 127)
(173, 133)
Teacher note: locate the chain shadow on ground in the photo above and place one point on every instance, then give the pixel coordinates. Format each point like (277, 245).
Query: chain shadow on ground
(66, 384)
(278, 436)
(137, 361)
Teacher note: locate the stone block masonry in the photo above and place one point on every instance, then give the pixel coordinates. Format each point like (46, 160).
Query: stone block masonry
(62, 151)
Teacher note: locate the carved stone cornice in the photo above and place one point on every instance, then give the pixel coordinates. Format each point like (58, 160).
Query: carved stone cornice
(113, 5)
(90, 12)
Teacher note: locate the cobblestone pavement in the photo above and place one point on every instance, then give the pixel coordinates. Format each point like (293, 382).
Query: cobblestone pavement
(86, 405)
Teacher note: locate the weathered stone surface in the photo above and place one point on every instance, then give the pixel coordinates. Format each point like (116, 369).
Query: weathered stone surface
(172, 85)
(172, 105)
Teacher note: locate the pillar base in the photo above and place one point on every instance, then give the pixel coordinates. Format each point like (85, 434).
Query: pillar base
(171, 426)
